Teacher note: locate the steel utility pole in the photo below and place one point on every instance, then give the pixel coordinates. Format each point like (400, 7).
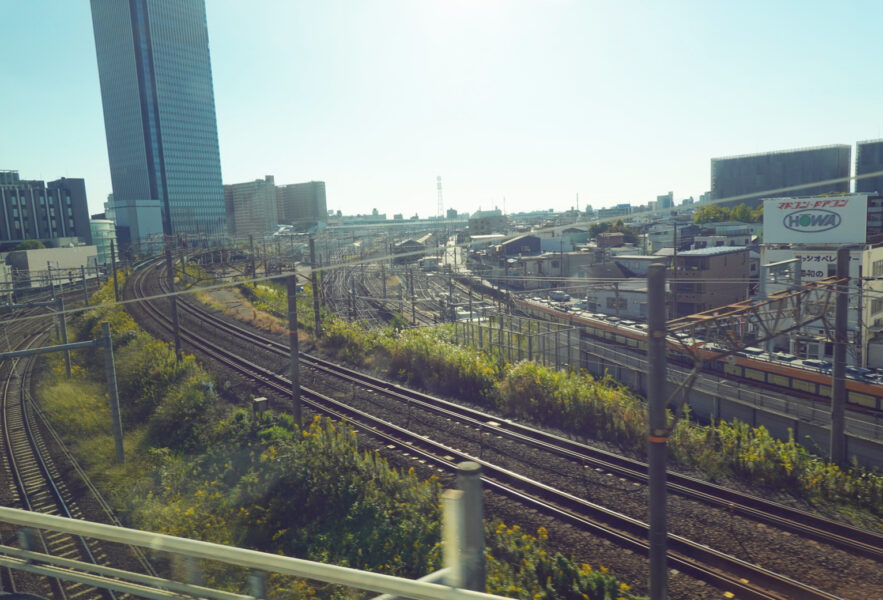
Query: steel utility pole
(658, 433)
(173, 298)
(85, 288)
(116, 420)
(314, 277)
(113, 266)
(67, 353)
(294, 366)
(254, 272)
(838, 387)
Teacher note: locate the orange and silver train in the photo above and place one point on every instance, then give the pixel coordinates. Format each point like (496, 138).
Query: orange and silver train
(781, 376)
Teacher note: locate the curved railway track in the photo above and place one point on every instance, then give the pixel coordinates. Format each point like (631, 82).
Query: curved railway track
(36, 482)
(38, 485)
(725, 572)
(800, 522)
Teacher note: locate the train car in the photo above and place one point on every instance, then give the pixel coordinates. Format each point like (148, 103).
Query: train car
(815, 384)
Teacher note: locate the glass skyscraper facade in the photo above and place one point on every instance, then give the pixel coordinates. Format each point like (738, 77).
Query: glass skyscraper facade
(868, 161)
(764, 175)
(159, 116)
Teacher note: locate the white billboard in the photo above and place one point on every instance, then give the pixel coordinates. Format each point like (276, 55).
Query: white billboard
(824, 220)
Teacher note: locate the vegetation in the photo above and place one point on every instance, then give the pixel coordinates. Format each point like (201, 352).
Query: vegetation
(629, 235)
(29, 245)
(603, 410)
(201, 469)
(715, 213)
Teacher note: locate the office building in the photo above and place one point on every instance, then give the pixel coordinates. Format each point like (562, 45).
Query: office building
(764, 175)
(302, 203)
(868, 160)
(665, 201)
(55, 213)
(103, 233)
(159, 117)
(251, 207)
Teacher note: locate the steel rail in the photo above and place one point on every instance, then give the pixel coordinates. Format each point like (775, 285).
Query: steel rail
(724, 571)
(840, 535)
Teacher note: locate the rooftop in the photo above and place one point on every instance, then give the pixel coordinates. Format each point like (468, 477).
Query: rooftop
(713, 251)
(791, 151)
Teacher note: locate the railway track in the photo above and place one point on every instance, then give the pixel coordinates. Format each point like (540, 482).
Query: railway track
(723, 571)
(38, 485)
(800, 522)
(35, 481)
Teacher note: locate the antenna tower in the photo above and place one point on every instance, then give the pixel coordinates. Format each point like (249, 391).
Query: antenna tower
(441, 204)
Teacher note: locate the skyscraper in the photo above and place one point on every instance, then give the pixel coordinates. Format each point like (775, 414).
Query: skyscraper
(159, 117)
(761, 175)
(868, 160)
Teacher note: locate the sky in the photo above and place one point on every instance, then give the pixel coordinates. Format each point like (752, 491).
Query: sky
(519, 105)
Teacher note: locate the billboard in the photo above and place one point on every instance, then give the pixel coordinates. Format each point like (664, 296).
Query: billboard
(823, 220)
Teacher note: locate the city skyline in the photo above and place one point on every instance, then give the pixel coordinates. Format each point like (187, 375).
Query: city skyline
(532, 102)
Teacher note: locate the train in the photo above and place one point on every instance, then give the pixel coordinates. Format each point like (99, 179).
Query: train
(778, 375)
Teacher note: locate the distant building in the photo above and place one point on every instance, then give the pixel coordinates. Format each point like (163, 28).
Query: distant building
(869, 159)
(709, 278)
(103, 233)
(620, 210)
(251, 207)
(48, 212)
(765, 174)
(665, 201)
(159, 117)
(451, 213)
(31, 268)
(484, 222)
(610, 239)
(524, 245)
(636, 265)
(302, 203)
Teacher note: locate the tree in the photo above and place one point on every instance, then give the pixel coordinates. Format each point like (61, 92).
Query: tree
(29, 245)
(711, 214)
(628, 234)
(741, 213)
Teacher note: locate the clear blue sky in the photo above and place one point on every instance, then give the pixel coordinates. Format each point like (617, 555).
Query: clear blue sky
(534, 101)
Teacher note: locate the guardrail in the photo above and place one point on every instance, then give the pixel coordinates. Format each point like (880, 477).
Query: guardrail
(463, 556)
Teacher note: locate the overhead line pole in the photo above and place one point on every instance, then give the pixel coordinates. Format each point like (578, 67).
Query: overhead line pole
(658, 431)
(838, 387)
(294, 366)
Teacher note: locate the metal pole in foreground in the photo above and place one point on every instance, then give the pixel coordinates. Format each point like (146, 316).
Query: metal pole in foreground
(314, 277)
(113, 265)
(469, 482)
(294, 367)
(170, 277)
(63, 324)
(838, 387)
(116, 423)
(85, 287)
(658, 434)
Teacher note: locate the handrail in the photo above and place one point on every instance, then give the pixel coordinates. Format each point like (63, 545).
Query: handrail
(453, 504)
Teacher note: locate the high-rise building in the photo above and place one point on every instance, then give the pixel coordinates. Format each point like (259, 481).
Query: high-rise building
(251, 207)
(665, 201)
(53, 213)
(869, 159)
(159, 117)
(764, 174)
(302, 203)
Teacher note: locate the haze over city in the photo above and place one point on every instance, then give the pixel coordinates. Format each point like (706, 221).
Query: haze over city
(532, 101)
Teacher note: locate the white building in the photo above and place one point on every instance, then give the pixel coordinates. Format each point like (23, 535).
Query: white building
(32, 268)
